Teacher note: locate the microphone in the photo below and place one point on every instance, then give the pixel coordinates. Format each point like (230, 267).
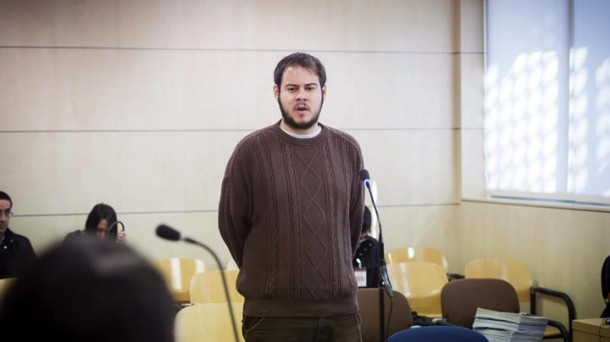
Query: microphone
(383, 271)
(168, 233)
(114, 226)
(364, 175)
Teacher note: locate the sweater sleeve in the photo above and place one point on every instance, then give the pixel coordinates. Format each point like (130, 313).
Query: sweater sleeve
(233, 213)
(357, 200)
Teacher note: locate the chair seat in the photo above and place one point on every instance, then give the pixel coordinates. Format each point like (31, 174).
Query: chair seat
(207, 287)
(177, 273)
(207, 322)
(421, 282)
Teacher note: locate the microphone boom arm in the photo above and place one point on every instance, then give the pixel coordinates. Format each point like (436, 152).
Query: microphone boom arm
(169, 233)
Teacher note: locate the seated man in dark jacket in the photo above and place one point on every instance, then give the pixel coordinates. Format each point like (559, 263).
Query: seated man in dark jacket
(367, 254)
(16, 251)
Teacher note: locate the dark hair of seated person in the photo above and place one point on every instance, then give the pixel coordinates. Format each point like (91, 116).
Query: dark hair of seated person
(90, 290)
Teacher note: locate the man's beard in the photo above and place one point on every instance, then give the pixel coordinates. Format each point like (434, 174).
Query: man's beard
(288, 120)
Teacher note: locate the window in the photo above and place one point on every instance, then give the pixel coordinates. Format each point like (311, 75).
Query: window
(547, 105)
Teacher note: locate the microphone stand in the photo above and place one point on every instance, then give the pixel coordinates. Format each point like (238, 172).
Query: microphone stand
(169, 233)
(383, 282)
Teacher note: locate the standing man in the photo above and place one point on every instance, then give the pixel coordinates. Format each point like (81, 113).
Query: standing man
(291, 214)
(16, 251)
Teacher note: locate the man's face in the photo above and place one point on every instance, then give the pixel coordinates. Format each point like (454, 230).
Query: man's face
(300, 98)
(5, 215)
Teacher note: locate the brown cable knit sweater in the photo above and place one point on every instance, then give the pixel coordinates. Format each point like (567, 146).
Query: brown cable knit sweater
(291, 213)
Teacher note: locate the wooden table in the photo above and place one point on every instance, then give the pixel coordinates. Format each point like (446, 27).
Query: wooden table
(590, 330)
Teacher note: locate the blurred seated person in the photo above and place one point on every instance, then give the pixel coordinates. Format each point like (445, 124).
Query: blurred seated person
(16, 251)
(367, 253)
(88, 290)
(102, 222)
(606, 286)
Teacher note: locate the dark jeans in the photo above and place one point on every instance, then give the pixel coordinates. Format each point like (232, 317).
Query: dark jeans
(344, 328)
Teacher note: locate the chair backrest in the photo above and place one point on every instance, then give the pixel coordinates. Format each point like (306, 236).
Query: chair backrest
(368, 306)
(461, 298)
(421, 283)
(178, 273)
(512, 270)
(207, 322)
(438, 333)
(207, 287)
(4, 285)
(421, 253)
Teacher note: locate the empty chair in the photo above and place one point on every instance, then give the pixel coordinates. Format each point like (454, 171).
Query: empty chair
(421, 283)
(438, 334)
(4, 285)
(178, 273)
(209, 322)
(427, 254)
(518, 275)
(207, 287)
(396, 309)
(513, 271)
(461, 298)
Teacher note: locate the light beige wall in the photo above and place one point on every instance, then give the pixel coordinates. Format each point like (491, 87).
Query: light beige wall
(139, 104)
(564, 248)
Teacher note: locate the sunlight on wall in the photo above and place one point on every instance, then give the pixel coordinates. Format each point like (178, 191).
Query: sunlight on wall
(589, 155)
(547, 101)
(602, 127)
(522, 124)
(578, 151)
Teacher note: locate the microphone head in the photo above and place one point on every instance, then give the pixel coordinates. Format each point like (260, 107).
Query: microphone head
(168, 233)
(364, 175)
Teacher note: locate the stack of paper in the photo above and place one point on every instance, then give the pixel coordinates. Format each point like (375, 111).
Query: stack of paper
(507, 326)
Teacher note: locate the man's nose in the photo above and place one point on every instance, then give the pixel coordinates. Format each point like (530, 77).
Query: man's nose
(301, 94)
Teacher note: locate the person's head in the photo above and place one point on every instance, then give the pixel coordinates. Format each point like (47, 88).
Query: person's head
(88, 290)
(6, 206)
(366, 221)
(300, 88)
(101, 217)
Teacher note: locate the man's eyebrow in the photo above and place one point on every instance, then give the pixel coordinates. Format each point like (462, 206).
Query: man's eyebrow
(314, 84)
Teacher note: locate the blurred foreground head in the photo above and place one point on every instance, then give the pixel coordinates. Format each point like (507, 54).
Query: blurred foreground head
(88, 290)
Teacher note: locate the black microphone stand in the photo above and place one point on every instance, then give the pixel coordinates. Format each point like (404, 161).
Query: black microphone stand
(171, 234)
(383, 282)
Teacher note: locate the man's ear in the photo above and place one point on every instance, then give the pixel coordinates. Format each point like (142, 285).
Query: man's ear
(276, 91)
(323, 91)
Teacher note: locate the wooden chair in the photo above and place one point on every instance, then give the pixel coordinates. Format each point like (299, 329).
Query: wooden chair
(207, 287)
(421, 283)
(516, 273)
(178, 273)
(5, 283)
(208, 322)
(396, 310)
(427, 254)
